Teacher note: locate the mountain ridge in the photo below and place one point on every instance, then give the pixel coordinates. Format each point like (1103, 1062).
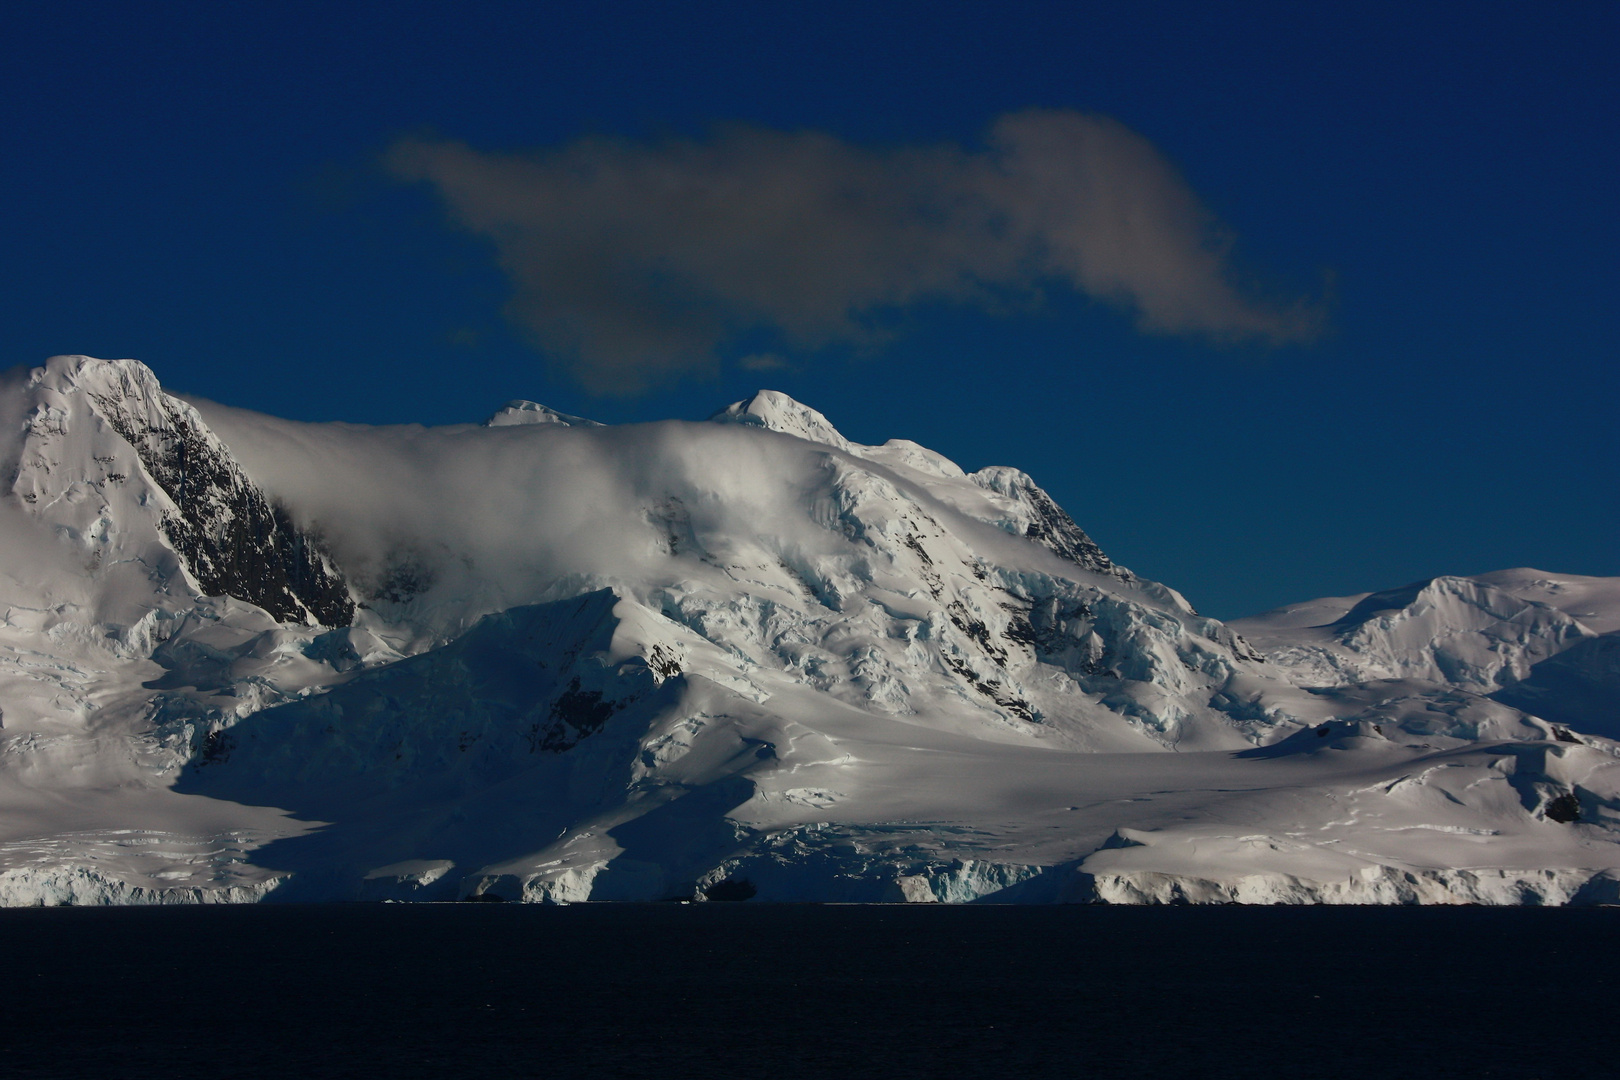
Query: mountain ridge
(588, 662)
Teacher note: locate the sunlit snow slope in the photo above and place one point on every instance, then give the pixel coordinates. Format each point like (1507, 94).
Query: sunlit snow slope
(541, 659)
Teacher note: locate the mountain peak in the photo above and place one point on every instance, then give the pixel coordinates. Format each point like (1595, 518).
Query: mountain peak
(73, 369)
(775, 411)
(519, 411)
(99, 425)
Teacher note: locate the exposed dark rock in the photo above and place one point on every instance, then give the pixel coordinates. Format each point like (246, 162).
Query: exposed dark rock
(915, 545)
(964, 621)
(992, 689)
(1062, 633)
(1048, 626)
(1244, 651)
(216, 748)
(235, 541)
(575, 714)
(1050, 525)
(1055, 529)
(1565, 809)
(663, 662)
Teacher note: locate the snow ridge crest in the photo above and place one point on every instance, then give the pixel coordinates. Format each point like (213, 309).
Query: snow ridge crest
(775, 411)
(520, 411)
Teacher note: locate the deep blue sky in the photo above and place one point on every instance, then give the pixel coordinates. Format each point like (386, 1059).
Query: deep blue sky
(196, 185)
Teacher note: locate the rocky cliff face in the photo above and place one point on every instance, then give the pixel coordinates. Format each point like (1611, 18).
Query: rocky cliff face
(231, 538)
(1042, 520)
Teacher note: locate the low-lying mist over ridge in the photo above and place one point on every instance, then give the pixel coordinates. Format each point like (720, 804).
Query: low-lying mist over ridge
(542, 659)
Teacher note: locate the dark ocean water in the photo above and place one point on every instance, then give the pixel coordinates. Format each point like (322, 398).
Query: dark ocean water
(785, 991)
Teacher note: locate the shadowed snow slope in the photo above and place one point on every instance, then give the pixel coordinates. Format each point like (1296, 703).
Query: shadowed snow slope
(548, 660)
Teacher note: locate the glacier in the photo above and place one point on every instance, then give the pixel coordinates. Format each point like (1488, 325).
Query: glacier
(541, 659)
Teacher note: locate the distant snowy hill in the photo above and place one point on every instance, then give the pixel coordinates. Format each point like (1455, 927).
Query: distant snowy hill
(1547, 643)
(548, 660)
(531, 412)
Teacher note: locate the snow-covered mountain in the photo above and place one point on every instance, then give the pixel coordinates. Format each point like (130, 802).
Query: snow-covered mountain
(539, 658)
